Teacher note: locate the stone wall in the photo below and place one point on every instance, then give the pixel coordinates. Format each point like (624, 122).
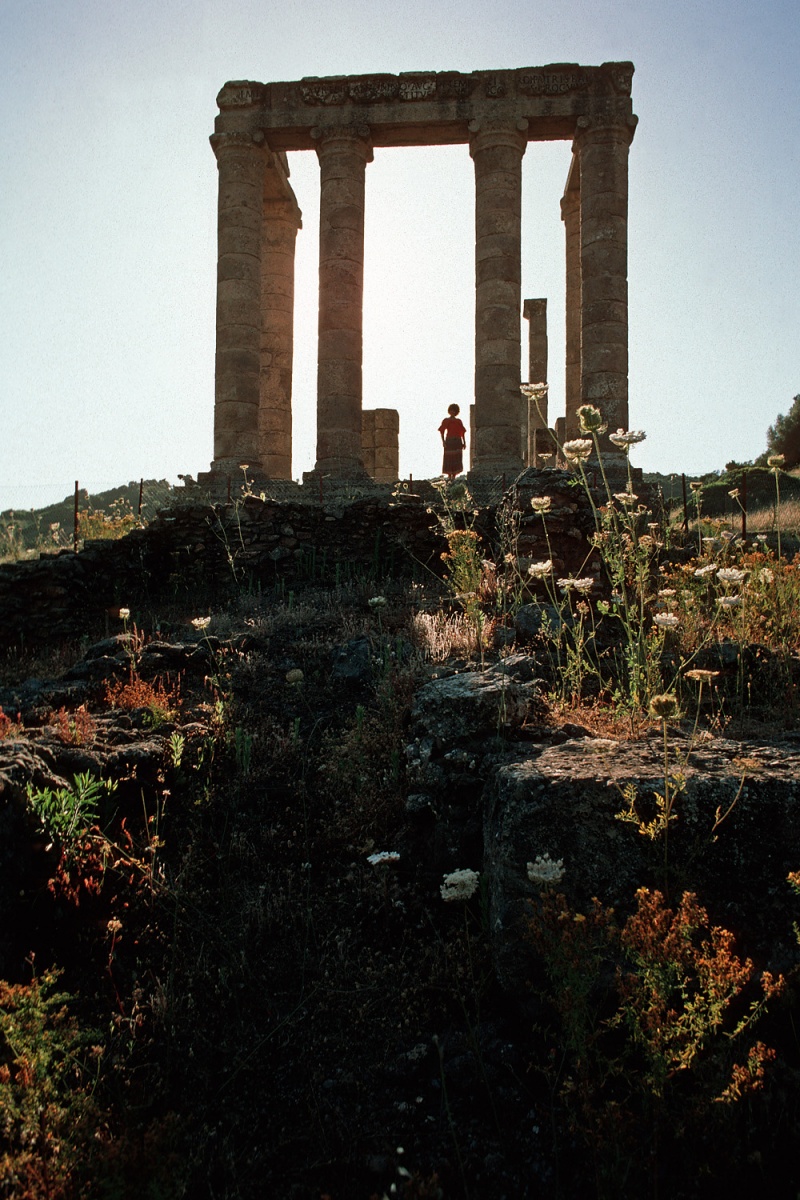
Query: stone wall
(200, 555)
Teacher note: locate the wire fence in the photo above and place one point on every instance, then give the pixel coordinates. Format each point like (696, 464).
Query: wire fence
(95, 511)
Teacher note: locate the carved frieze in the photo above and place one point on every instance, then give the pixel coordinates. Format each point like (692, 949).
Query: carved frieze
(455, 87)
(324, 92)
(420, 87)
(241, 95)
(494, 86)
(551, 83)
(374, 91)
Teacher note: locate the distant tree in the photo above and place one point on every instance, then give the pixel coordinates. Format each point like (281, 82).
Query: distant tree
(784, 436)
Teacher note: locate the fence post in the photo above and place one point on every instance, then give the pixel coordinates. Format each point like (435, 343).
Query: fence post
(141, 493)
(76, 519)
(743, 502)
(685, 505)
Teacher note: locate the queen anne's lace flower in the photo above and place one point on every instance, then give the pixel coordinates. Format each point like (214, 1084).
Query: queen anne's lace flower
(383, 856)
(702, 572)
(544, 870)
(540, 569)
(201, 622)
(591, 419)
(535, 391)
(729, 601)
(578, 450)
(624, 440)
(730, 575)
(666, 621)
(459, 885)
(541, 504)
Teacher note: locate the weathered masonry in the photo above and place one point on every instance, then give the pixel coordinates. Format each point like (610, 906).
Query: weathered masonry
(496, 114)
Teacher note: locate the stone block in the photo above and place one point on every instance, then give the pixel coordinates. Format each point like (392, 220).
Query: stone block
(563, 802)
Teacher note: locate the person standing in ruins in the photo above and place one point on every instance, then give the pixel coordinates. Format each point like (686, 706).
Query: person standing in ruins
(454, 441)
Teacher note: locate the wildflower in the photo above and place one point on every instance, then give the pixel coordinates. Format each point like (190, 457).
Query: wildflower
(729, 601)
(124, 613)
(734, 493)
(701, 572)
(540, 569)
(244, 466)
(546, 457)
(583, 585)
(624, 440)
(201, 622)
(765, 575)
(578, 450)
(761, 537)
(727, 536)
(294, 676)
(114, 925)
(579, 918)
(666, 621)
(383, 856)
(696, 485)
(544, 870)
(459, 885)
(541, 504)
(700, 676)
(617, 598)
(591, 419)
(666, 592)
(377, 602)
(626, 498)
(710, 542)
(730, 575)
(535, 391)
(776, 461)
(663, 706)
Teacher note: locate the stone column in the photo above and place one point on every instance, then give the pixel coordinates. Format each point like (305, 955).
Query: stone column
(571, 216)
(387, 445)
(279, 234)
(241, 163)
(603, 149)
(538, 438)
(497, 149)
(343, 153)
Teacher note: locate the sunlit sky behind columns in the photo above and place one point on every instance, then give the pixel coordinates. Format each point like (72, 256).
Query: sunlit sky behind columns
(108, 223)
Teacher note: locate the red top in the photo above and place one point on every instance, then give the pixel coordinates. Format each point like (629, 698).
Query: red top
(452, 427)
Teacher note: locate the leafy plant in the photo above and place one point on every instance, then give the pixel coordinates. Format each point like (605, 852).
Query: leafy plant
(68, 813)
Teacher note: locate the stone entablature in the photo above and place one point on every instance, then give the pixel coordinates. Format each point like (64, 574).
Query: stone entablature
(496, 114)
(428, 107)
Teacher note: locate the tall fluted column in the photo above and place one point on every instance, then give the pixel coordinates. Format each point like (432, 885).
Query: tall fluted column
(279, 234)
(538, 438)
(241, 163)
(571, 216)
(343, 154)
(603, 149)
(497, 149)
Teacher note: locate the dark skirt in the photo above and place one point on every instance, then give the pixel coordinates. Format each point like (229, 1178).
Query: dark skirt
(452, 462)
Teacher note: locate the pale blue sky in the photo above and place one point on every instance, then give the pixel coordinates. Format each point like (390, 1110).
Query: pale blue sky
(108, 222)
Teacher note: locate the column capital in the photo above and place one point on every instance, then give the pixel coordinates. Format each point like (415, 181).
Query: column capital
(604, 126)
(237, 140)
(488, 133)
(328, 137)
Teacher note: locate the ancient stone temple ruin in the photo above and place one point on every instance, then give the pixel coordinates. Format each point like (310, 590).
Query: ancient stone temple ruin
(496, 114)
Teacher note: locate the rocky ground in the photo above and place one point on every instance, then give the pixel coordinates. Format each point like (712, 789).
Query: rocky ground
(273, 997)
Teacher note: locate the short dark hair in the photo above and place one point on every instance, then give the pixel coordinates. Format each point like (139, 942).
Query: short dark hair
(454, 410)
